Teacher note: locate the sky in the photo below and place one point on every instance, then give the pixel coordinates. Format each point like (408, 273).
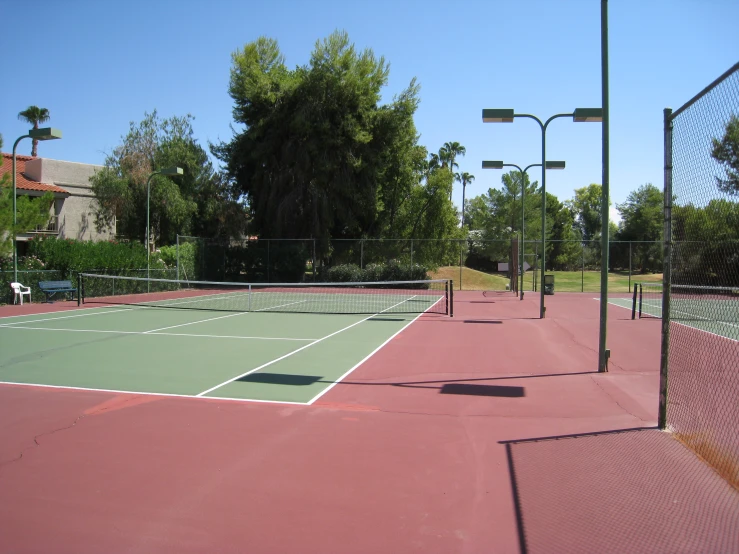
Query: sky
(97, 66)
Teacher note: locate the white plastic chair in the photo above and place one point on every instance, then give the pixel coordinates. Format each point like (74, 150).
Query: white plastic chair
(19, 291)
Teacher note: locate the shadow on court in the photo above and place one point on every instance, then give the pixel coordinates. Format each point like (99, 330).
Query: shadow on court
(465, 387)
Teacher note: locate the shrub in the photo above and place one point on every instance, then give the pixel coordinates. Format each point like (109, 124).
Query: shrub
(68, 256)
(373, 273)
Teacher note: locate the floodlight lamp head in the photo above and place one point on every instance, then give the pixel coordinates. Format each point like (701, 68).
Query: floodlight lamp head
(171, 171)
(497, 115)
(555, 165)
(588, 115)
(487, 164)
(45, 133)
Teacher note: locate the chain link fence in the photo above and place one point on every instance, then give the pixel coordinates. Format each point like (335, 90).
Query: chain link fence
(473, 263)
(699, 389)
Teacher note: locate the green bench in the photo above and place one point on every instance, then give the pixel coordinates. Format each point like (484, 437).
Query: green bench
(50, 288)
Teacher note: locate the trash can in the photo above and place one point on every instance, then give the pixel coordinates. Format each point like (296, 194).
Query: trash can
(549, 284)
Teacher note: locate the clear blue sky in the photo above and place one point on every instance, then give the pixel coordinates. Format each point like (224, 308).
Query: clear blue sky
(99, 65)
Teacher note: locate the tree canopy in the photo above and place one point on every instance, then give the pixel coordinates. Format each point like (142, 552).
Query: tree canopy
(34, 115)
(319, 157)
(199, 202)
(726, 152)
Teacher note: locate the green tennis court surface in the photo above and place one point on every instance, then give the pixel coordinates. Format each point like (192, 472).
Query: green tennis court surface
(260, 356)
(712, 315)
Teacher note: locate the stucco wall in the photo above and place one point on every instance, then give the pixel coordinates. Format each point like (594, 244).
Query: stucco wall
(77, 212)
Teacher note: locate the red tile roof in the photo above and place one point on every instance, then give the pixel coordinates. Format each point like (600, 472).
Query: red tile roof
(22, 182)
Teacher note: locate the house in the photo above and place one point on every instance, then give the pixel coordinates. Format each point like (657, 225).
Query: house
(72, 214)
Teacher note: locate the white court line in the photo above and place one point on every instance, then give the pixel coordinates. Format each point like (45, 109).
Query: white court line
(220, 317)
(368, 356)
(150, 333)
(56, 312)
(67, 316)
(165, 394)
(301, 348)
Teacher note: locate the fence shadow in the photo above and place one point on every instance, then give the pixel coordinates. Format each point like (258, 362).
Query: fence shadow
(635, 490)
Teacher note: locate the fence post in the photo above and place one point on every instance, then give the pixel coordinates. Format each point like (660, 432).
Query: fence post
(460, 265)
(629, 265)
(666, 276)
(582, 271)
(314, 260)
(268, 264)
(411, 253)
(178, 257)
(361, 253)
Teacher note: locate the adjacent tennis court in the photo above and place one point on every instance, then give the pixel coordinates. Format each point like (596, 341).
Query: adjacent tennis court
(714, 310)
(210, 346)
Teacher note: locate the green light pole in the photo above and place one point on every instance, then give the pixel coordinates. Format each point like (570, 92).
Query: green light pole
(170, 172)
(507, 116)
(47, 133)
(501, 165)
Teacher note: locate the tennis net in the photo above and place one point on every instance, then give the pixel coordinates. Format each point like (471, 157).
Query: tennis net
(688, 302)
(432, 296)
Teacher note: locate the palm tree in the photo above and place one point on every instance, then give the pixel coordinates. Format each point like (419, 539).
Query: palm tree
(34, 115)
(466, 179)
(448, 156)
(431, 165)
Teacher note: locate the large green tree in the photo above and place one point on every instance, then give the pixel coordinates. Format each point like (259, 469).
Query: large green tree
(642, 217)
(726, 152)
(706, 243)
(448, 155)
(317, 156)
(587, 207)
(34, 115)
(466, 179)
(496, 216)
(199, 202)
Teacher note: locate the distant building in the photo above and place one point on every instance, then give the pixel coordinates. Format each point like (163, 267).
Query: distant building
(73, 213)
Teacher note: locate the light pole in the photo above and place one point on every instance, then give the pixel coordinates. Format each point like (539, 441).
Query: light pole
(171, 172)
(47, 133)
(507, 116)
(501, 165)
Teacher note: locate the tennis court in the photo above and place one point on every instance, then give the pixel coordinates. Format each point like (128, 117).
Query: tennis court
(714, 310)
(199, 340)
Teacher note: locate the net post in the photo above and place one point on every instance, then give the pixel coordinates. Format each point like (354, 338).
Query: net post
(666, 273)
(79, 289)
(641, 298)
(248, 296)
(633, 303)
(451, 298)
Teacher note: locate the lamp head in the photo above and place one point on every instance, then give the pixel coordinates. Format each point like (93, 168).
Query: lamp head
(555, 165)
(171, 171)
(487, 164)
(46, 133)
(593, 115)
(497, 116)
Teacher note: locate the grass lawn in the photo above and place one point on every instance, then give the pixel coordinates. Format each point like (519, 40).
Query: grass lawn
(564, 281)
